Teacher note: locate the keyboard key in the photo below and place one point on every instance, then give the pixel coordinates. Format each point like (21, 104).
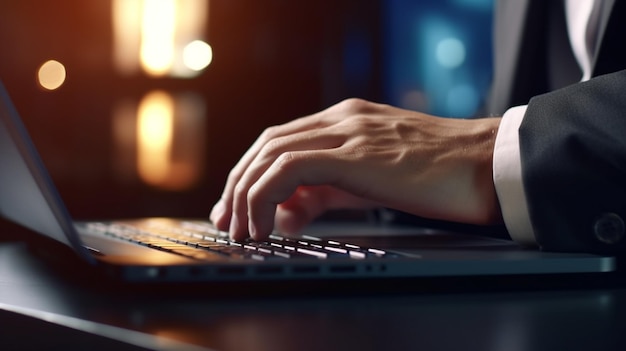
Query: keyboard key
(201, 240)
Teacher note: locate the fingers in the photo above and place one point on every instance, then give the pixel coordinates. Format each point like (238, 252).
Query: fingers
(291, 171)
(252, 192)
(252, 188)
(221, 212)
(277, 185)
(232, 217)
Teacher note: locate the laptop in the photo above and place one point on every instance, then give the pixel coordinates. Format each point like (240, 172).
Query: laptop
(181, 250)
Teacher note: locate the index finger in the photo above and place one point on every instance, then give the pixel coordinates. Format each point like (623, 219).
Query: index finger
(280, 181)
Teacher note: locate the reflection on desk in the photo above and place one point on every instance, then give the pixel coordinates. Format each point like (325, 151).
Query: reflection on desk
(504, 320)
(58, 332)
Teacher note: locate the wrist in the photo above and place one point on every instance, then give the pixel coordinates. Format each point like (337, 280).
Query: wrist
(492, 213)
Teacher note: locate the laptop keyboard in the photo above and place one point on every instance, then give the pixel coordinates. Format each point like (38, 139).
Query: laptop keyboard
(201, 240)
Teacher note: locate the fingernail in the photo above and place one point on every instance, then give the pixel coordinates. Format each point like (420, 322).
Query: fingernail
(217, 211)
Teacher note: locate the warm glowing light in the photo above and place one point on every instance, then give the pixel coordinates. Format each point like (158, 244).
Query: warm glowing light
(157, 36)
(153, 34)
(51, 75)
(169, 139)
(197, 55)
(154, 136)
(126, 20)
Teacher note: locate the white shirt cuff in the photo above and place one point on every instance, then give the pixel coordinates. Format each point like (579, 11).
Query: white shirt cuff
(507, 178)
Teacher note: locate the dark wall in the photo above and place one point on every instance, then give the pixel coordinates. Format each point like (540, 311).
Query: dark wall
(273, 61)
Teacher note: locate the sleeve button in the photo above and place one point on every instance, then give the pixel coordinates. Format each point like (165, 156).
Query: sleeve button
(609, 228)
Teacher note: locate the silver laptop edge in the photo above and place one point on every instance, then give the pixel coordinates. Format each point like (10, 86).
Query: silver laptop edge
(29, 197)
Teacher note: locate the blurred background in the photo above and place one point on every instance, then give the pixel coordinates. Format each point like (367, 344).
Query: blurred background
(141, 107)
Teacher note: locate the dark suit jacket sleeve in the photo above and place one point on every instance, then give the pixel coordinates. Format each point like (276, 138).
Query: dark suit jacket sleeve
(573, 153)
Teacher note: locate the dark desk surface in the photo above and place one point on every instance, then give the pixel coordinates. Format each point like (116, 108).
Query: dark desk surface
(577, 319)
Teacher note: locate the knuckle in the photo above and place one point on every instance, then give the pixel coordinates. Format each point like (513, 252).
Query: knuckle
(354, 105)
(270, 133)
(287, 161)
(233, 175)
(239, 191)
(254, 195)
(272, 147)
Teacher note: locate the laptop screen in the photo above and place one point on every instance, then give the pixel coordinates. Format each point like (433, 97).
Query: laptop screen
(28, 195)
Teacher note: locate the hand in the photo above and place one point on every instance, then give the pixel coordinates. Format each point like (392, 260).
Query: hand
(358, 154)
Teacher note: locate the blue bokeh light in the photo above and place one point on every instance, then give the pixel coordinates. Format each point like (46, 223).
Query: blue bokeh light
(439, 51)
